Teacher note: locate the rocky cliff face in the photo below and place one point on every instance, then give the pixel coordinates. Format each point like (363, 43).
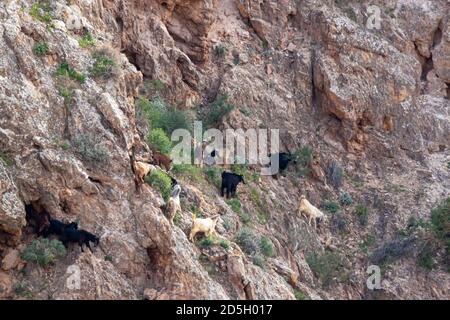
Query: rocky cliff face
(370, 102)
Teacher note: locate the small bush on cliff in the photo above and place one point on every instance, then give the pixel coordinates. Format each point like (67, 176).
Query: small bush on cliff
(248, 241)
(64, 70)
(331, 206)
(218, 109)
(304, 157)
(5, 159)
(104, 65)
(44, 251)
(193, 173)
(90, 149)
(158, 139)
(266, 246)
(42, 11)
(363, 214)
(86, 40)
(41, 49)
(345, 199)
(161, 181)
(161, 116)
(213, 175)
(325, 266)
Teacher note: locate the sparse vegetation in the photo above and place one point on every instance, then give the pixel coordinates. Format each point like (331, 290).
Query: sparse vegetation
(42, 11)
(90, 149)
(331, 206)
(108, 258)
(393, 250)
(6, 160)
(326, 266)
(41, 49)
(300, 295)
(64, 70)
(236, 206)
(363, 214)
(159, 140)
(338, 223)
(367, 243)
(224, 244)
(86, 40)
(218, 109)
(206, 241)
(213, 175)
(425, 257)
(161, 116)
(304, 157)
(161, 181)
(44, 252)
(345, 199)
(177, 219)
(104, 65)
(67, 94)
(248, 241)
(192, 172)
(220, 51)
(259, 261)
(266, 246)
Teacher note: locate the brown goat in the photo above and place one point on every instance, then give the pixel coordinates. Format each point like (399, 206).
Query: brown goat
(162, 160)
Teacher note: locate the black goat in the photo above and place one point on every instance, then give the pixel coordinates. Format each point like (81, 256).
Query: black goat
(283, 159)
(57, 227)
(230, 182)
(79, 236)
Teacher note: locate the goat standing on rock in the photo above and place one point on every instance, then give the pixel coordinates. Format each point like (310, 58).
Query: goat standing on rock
(306, 209)
(173, 205)
(230, 182)
(207, 226)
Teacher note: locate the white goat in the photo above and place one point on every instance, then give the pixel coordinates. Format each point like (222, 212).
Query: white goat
(306, 209)
(206, 226)
(142, 169)
(173, 205)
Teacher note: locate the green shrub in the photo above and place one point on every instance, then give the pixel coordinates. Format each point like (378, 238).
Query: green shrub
(331, 206)
(42, 11)
(393, 250)
(367, 243)
(440, 223)
(345, 199)
(161, 181)
(325, 266)
(177, 219)
(425, 257)
(108, 258)
(220, 51)
(236, 206)
(160, 141)
(64, 70)
(304, 157)
(363, 214)
(224, 244)
(44, 251)
(218, 109)
(206, 241)
(104, 64)
(167, 118)
(194, 173)
(214, 175)
(67, 94)
(86, 40)
(6, 160)
(90, 149)
(248, 241)
(266, 246)
(300, 295)
(259, 261)
(41, 49)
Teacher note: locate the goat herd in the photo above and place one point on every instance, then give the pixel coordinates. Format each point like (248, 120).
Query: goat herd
(45, 225)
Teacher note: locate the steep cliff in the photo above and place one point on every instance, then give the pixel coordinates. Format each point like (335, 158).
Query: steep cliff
(371, 104)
